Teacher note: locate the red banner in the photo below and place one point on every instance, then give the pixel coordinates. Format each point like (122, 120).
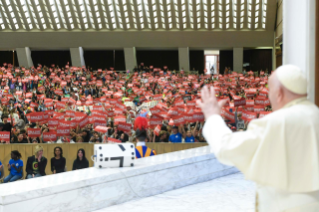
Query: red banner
(35, 117)
(69, 113)
(34, 132)
(53, 122)
(173, 112)
(263, 113)
(250, 102)
(62, 131)
(248, 116)
(259, 108)
(48, 103)
(119, 119)
(113, 140)
(58, 92)
(198, 117)
(259, 101)
(65, 100)
(4, 136)
(64, 124)
(239, 102)
(84, 121)
(157, 97)
(157, 130)
(79, 116)
(60, 104)
(178, 120)
(154, 122)
(33, 104)
(125, 127)
(229, 116)
(191, 103)
(28, 95)
(99, 120)
(99, 108)
(155, 110)
(101, 129)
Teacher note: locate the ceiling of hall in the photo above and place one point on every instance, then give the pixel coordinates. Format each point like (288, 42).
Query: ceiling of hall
(133, 15)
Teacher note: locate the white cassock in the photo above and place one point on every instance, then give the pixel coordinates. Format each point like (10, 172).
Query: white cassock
(280, 152)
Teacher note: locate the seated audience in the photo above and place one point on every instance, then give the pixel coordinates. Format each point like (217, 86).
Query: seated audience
(80, 162)
(58, 161)
(15, 167)
(36, 163)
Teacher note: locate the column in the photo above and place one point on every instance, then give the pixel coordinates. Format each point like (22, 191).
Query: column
(183, 58)
(24, 57)
(77, 56)
(299, 38)
(130, 58)
(238, 58)
(274, 59)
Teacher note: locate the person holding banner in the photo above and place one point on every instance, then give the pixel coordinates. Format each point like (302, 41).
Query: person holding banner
(279, 151)
(36, 164)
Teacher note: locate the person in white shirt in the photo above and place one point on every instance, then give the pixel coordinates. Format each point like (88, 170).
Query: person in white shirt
(280, 151)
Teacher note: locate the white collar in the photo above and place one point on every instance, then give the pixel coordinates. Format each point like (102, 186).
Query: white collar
(140, 143)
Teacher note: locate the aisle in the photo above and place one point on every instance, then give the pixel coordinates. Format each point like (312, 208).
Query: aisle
(227, 194)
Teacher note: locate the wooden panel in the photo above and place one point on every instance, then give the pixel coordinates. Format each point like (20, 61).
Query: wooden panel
(7, 157)
(89, 151)
(317, 56)
(70, 152)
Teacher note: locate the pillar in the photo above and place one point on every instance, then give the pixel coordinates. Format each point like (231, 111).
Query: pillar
(238, 59)
(130, 58)
(77, 56)
(299, 38)
(183, 58)
(274, 58)
(24, 57)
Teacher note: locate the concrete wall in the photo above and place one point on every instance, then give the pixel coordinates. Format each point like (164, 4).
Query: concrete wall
(104, 40)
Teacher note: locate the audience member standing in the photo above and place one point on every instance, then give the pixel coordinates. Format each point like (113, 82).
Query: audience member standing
(176, 136)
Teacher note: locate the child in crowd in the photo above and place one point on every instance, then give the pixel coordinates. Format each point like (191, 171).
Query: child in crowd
(15, 167)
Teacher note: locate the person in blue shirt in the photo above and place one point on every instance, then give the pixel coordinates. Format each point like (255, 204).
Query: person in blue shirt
(15, 167)
(0, 169)
(176, 136)
(189, 136)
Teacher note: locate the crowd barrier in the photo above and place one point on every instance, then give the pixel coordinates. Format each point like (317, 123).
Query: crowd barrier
(70, 152)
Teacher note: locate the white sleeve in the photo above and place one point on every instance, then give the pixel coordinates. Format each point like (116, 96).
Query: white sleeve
(235, 149)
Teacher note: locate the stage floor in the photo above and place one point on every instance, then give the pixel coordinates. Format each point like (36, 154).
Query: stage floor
(231, 193)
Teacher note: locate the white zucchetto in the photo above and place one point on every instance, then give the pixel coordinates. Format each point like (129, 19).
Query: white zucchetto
(292, 78)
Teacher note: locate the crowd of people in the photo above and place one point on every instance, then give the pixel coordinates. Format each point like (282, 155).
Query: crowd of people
(72, 104)
(37, 163)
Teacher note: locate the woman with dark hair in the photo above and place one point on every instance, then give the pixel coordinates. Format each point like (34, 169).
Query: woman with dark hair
(15, 167)
(80, 162)
(58, 161)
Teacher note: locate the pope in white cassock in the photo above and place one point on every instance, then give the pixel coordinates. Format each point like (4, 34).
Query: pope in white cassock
(280, 152)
